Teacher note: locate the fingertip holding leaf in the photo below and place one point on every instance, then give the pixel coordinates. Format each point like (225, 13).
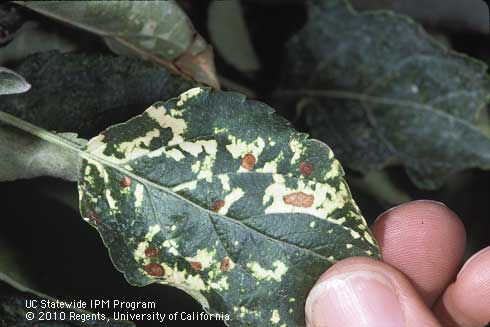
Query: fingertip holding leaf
(195, 218)
(387, 95)
(12, 83)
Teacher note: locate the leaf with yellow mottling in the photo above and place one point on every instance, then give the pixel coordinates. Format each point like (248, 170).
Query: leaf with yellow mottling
(216, 194)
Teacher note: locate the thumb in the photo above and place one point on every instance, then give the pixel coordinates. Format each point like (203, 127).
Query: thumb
(364, 292)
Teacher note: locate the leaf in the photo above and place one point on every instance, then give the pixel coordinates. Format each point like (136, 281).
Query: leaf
(25, 156)
(155, 30)
(32, 38)
(13, 310)
(10, 21)
(11, 261)
(381, 91)
(233, 41)
(90, 92)
(456, 16)
(218, 196)
(11, 82)
(382, 187)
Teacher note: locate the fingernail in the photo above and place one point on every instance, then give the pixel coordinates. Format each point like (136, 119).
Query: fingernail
(404, 204)
(362, 298)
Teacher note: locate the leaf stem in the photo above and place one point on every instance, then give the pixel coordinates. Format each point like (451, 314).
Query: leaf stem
(40, 132)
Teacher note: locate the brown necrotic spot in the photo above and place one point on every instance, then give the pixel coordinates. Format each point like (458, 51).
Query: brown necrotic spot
(125, 182)
(196, 265)
(154, 269)
(151, 252)
(218, 204)
(306, 168)
(299, 199)
(93, 217)
(225, 264)
(248, 161)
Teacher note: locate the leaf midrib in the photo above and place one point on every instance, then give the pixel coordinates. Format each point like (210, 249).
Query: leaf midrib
(60, 141)
(339, 94)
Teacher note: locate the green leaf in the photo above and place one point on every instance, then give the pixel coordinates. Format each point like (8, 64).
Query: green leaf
(449, 16)
(155, 30)
(11, 262)
(382, 92)
(233, 41)
(25, 156)
(218, 196)
(13, 310)
(382, 187)
(90, 92)
(31, 38)
(11, 82)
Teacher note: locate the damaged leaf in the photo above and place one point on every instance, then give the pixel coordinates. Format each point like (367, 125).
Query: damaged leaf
(158, 31)
(382, 92)
(207, 192)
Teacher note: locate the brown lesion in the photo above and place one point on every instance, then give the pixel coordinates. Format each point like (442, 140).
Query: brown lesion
(248, 161)
(93, 217)
(125, 182)
(151, 252)
(225, 264)
(154, 269)
(196, 265)
(218, 204)
(299, 199)
(306, 168)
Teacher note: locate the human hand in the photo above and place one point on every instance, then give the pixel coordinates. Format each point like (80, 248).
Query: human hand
(419, 282)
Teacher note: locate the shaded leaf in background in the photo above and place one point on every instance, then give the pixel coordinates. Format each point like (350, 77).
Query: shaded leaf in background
(90, 92)
(12, 83)
(381, 91)
(229, 34)
(11, 262)
(10, 21)
(155, 30)
(382, 187)
(32, 38)
(220, 197)
(13, 310)
(25, 156)
(454, 15)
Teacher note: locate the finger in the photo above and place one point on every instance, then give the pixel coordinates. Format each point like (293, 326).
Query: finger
(466, 302)
(425, 240)
(364, 292)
